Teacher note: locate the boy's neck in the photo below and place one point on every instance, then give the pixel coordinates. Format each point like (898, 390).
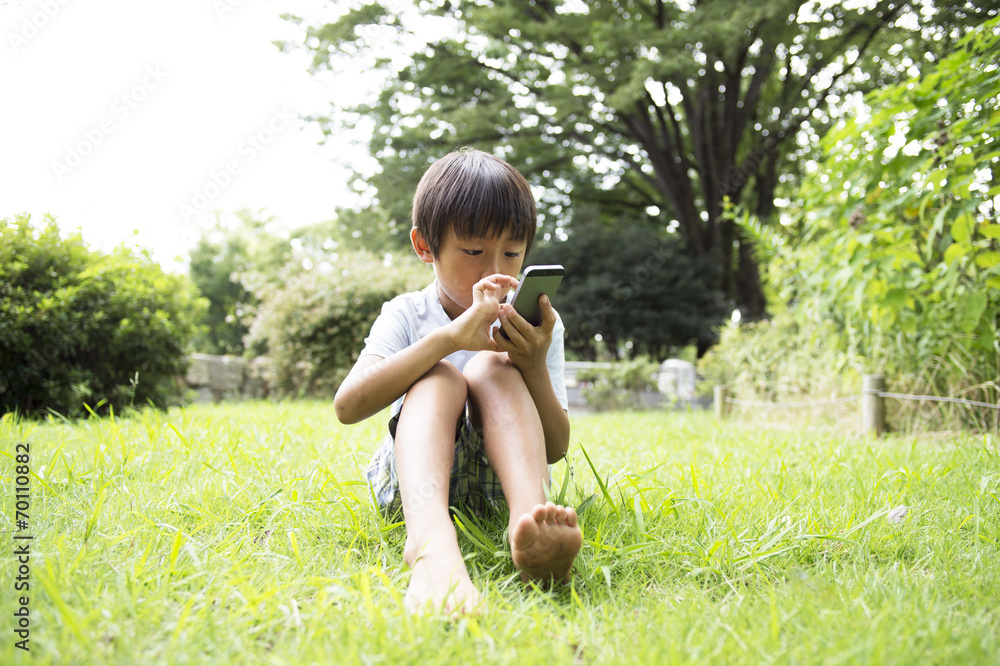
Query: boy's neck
(450, 307)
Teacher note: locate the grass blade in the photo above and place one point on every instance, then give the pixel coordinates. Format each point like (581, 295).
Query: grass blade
(600, 482)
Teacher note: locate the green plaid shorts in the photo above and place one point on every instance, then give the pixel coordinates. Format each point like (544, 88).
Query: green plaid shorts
(473, 485)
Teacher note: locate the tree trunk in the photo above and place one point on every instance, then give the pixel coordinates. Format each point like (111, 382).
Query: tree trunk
(749, 292)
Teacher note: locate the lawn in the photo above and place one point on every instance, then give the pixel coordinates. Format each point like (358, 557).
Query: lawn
(243, 533)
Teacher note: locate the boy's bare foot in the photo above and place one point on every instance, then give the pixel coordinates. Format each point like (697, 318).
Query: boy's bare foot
(544, 543)
(439, 579)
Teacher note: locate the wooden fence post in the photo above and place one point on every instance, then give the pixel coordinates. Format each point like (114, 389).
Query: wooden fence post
(872, 404)
(721, 405)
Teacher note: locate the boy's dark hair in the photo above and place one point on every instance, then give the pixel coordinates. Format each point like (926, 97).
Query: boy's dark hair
(476, 194)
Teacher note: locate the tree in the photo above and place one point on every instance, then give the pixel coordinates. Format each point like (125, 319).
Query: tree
(633, 286)
(220, 261)
(663, 109)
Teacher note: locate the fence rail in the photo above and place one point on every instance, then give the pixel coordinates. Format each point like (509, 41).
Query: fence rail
(872, 397)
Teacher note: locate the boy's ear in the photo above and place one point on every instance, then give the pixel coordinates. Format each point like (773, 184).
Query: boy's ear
(421, 247)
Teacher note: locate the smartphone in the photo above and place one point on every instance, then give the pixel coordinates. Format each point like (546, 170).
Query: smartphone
(535, 281)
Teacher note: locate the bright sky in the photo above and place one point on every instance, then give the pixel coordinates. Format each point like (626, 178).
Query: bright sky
(129, 116)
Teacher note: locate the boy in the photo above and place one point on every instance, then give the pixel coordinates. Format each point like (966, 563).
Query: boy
(476, 418)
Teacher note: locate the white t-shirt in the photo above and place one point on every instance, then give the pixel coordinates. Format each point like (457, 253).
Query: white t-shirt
(410, 317)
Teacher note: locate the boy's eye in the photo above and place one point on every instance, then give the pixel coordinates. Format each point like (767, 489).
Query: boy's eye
(473, 253)
(512, 255)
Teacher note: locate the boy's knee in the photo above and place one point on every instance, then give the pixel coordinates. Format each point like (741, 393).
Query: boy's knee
(443, 376)
(489, 367)
(444, 369)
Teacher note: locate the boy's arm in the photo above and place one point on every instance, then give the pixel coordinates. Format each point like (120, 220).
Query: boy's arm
(527, 349)
(374, 382)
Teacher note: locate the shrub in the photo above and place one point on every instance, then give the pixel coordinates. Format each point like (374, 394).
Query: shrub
(313, 324)
(81, 327)
(620, 385)
(896, 262)
(780, 360)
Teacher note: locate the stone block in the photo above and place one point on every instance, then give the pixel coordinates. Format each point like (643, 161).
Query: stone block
(226, 373)
(198, 372)
(677, 378)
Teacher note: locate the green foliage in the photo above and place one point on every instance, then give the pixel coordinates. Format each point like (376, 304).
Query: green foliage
(314, 318)
(369, 228)
(81, 327)
(896, 263)
(223, 255)
(780, 360)
(624, 104)
(630, 283)
(619, 385)
(243, 255)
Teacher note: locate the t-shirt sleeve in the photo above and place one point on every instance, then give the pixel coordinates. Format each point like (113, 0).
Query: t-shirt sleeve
(556, 360)
(390, 333)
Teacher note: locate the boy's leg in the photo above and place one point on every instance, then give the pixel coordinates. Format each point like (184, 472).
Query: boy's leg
(425, 450)
(544, 537)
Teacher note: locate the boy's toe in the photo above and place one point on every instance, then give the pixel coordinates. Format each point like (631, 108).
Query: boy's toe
(571, 517)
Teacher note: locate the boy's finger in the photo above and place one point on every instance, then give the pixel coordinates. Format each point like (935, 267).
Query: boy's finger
(500, 278)
(548, 312)
(507, 314)
(494, 344)
(502, 343)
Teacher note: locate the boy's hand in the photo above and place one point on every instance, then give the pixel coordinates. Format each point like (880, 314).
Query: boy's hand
(527, 345)
(471, 330)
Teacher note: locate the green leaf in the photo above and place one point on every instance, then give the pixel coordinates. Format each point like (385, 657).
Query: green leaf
(975, 305)
(990, 230)
(965, 160)
(987, 259)
(937, 229)
(896, 297)
(962, 228)
(956, 251)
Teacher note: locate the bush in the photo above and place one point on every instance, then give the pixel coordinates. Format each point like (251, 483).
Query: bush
(620, 385)
(896, 261)
(780, 360)
(314, 323)
(81, 327)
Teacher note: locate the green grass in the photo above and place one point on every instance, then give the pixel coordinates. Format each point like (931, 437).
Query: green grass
(244, 533)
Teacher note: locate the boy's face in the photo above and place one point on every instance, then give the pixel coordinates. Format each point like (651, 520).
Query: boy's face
(461, 263)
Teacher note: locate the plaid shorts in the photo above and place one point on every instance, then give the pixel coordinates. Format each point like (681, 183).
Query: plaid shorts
(473, 484)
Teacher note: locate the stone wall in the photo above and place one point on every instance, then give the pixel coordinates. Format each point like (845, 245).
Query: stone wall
(217, 378)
